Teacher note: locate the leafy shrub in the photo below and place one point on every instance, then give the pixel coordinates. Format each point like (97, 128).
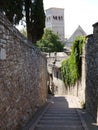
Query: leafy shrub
(71, 68)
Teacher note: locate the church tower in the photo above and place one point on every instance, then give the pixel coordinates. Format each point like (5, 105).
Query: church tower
(55, 21)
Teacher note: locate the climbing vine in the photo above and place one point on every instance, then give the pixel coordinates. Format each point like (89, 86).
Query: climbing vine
(71, 68)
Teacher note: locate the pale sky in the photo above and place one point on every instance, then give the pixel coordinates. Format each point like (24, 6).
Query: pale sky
(77, 12)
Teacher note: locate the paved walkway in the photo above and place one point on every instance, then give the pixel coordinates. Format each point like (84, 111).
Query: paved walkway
(62, 113)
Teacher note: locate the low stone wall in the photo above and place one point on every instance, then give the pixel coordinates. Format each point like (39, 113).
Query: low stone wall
(23, 78)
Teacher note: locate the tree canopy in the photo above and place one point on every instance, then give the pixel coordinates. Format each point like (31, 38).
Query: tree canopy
(50, 42)
(31, 10)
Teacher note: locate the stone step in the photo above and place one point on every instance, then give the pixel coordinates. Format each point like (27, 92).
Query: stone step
(60, 106)
(48, 112)
(60, 127)
(60, 115)
(59, 118)
(57, 108)
(63, 110)
(59, 122)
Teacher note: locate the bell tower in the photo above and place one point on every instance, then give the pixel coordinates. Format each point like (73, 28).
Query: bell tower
(55, 21)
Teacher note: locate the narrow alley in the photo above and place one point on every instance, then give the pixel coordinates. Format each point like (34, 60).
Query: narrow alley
(62, 113)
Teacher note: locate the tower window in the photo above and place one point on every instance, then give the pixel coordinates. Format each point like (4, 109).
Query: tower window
(55, 17)
(59, 17)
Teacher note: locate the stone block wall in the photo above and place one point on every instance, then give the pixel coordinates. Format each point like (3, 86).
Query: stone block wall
(92, 73)
(23, 78)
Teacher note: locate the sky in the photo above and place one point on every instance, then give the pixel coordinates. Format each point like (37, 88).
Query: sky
(77, 12)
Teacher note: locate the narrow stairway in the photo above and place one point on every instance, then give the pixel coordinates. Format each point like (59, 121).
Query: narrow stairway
(61, 114)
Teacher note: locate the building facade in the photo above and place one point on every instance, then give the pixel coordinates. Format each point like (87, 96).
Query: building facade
(55, 21)
(54, 62)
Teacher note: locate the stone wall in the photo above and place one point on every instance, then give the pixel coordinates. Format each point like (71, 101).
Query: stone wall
(59, 86)
(92, 73)
(23, 78)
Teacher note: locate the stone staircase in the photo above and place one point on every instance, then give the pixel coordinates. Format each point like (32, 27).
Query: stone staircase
(59, 117)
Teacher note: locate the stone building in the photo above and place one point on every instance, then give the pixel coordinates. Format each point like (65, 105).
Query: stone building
(55, 21)
(54, 61)
(78, 32)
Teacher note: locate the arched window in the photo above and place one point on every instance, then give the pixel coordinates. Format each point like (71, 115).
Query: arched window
(56, 17)
(53, 17)
(59, 17)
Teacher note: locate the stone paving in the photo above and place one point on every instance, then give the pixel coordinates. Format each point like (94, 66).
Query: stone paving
(60, 114)
(63, 113)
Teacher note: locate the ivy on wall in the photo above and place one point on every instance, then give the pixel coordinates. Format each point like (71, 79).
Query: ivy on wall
(71, 68)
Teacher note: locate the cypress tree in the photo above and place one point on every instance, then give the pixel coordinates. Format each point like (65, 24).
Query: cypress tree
(39, 20)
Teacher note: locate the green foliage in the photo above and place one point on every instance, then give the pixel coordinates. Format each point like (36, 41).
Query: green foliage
(38, 21)
(50, 42)
(71, 68)
(66, 72)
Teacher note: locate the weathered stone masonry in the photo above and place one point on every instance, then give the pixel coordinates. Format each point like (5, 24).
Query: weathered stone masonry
(92, 73)
(23, 76)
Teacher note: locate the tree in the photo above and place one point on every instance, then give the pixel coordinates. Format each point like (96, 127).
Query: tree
(31, 10)
(50, 42)
(35, 19)
(39, 22)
